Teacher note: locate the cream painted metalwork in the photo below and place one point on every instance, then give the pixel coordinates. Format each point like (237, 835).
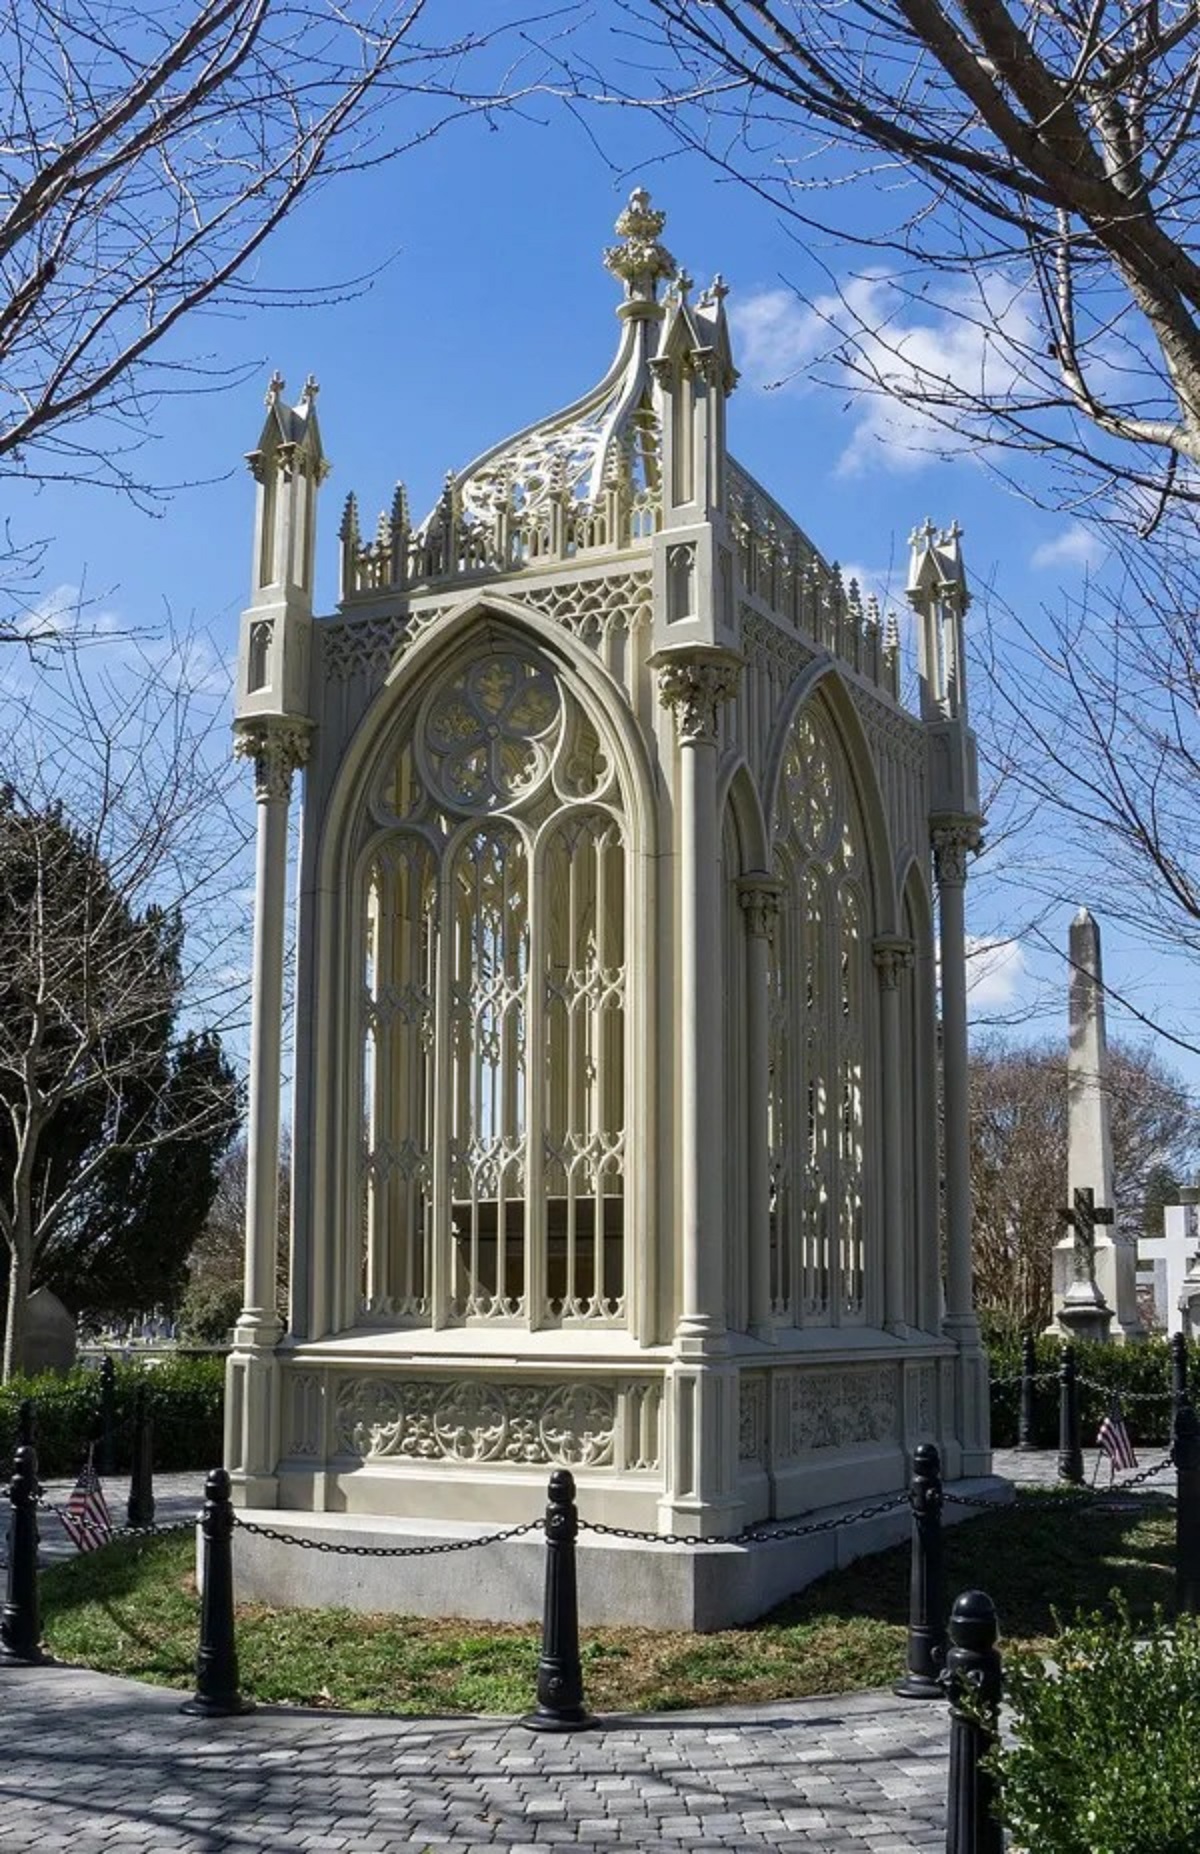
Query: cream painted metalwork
(494, 1020)
(616, 1085)
(820, 1036)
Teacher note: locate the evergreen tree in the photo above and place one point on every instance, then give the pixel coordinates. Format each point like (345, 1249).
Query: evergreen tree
(114, 1121)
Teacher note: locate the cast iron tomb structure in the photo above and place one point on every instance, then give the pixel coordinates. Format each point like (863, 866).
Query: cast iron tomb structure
(616, 1072)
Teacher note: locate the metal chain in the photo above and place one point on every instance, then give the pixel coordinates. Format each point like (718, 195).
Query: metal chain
(1110, 1390)
(752, 1535)
(1038, 1377)
(385, 1551)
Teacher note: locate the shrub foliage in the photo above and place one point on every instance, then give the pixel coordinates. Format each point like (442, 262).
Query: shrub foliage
(1102, 1757)
(184, 1397)
(1139, 1374)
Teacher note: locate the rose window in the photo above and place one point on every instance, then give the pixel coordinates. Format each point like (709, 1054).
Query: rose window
(490, 735)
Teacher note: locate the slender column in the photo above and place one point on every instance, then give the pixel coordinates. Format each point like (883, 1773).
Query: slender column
(759, 896)
(951, 844)
(693, 683)
(893, 957)
(276, 750)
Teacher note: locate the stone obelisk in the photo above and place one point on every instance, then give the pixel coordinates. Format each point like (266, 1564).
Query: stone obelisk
(1089, 1148)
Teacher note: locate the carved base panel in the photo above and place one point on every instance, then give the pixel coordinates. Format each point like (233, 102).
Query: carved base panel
(812, 1435)
(476, 1447)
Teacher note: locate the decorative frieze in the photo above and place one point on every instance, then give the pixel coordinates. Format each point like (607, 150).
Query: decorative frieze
(591, 608)
(835, 1408)
(472, 1420)
(354, 646)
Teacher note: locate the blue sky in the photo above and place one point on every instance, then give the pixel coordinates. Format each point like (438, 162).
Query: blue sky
(493, 307)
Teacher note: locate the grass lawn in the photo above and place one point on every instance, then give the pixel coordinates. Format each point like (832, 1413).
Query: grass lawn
(131, 1609)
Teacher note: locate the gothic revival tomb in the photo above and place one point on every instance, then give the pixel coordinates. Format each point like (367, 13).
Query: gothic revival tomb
(616, 1128)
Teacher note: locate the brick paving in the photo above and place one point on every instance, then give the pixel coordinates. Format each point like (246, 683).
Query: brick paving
(94, 1764)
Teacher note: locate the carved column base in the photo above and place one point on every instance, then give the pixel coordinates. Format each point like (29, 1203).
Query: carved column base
(973, 1421)
(252, 1423)
(702, 1426)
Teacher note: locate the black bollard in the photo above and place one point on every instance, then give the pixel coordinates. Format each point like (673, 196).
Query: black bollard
(26, 1433)
(1025, 1422)
(1185, 1448)
(20, 1617)
(973, 1669)
(560, 1706)
(217, 1693)
(140, 1508)
(1179, 1370)
(927, 1583)
(108, 1404)
(1070, 1455)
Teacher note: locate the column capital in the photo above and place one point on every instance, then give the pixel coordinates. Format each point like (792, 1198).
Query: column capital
(759, 897)
(277, 748)
(892, 955)
(693, 681)
(954, 839)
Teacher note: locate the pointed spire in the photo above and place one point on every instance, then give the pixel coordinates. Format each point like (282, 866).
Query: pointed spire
(349, 528)
(275, 387)
(641, 262)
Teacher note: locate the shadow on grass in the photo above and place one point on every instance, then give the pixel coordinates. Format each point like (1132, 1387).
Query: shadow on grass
(1036, 1558)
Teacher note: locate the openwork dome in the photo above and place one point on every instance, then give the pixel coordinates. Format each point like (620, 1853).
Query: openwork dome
(585, 478)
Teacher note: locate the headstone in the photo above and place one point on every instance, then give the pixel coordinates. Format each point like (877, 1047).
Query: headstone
(50, 1337)
(1089, 1151)
(1175, 1259)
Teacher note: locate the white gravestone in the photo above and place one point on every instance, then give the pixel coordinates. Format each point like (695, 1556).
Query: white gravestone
(1173, 1255)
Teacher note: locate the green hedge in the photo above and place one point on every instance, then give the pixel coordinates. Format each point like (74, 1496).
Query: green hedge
(1139, 1373)
(185, 1398)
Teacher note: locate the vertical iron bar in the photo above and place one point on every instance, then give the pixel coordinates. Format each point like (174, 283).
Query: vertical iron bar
(20, 1617)
(107, 1464)
(973, 1675)
(1025, 1421)
(1070, 1455)
(560, 1706)
(1185, 1447)
(140, 1508)
(927, 1586)
(217, 1692)
(1179, 1370)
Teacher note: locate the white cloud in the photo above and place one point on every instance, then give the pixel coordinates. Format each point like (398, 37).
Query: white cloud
(995, 969)
(1076, 546)
(775, 337)
(964, 343)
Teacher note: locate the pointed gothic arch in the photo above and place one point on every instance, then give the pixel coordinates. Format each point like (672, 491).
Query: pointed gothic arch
(488, 858)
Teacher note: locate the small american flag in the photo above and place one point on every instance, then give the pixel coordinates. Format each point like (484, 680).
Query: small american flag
(1112, 1440)
(85, 1517)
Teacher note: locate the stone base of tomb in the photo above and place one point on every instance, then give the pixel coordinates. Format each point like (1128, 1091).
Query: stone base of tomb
(699, 1587)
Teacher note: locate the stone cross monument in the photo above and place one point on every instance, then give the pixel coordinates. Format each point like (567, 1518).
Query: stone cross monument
(1113, 1266)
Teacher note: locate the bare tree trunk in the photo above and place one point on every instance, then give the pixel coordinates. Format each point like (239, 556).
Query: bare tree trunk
(20, 1277)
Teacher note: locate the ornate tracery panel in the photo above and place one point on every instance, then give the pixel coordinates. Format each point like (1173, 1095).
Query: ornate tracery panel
(495, 1024)
(819, 1037)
